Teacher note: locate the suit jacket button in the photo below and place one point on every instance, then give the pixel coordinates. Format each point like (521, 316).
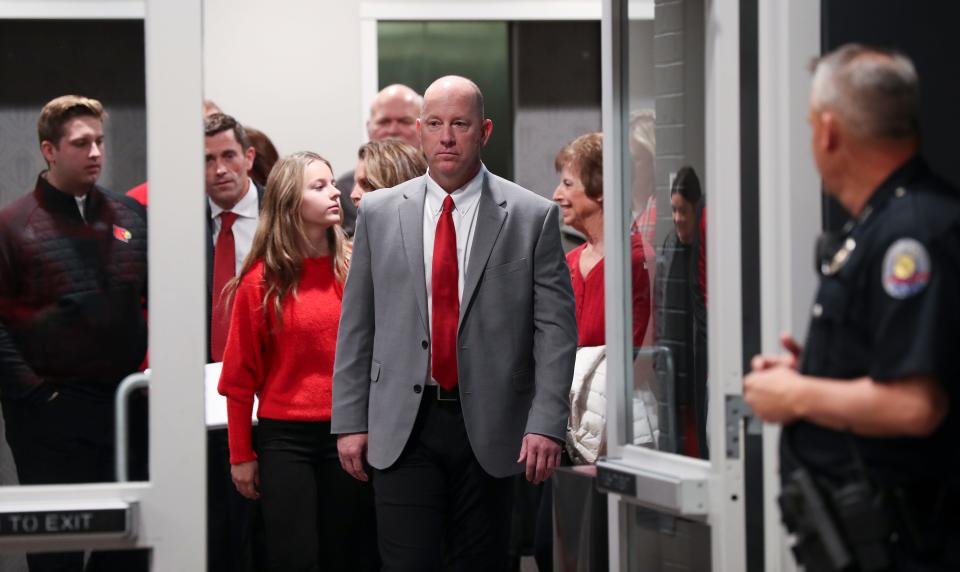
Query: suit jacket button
(417, 388)
(424, 344)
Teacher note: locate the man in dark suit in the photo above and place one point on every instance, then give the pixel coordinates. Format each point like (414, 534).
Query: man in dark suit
(393, 115)
(234, 214)
(233, 208)
(456, 346)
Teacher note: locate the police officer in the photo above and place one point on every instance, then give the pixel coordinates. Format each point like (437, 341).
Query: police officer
(870, 446)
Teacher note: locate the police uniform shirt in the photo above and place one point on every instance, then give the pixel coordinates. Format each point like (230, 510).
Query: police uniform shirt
(888, 307)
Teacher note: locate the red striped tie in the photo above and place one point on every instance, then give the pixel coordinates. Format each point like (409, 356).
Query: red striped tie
(446, 300)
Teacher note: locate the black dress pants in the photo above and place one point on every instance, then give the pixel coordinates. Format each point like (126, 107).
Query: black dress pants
(234, 526)
(70, 440)
(437, 509)
(316, 516)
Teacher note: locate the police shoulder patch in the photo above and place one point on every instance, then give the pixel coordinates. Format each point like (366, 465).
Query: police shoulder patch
(906, 268)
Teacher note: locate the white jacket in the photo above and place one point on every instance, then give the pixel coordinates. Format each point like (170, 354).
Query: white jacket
(586, 432)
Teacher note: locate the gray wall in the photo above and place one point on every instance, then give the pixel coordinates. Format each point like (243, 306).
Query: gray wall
(557, 79)
(640, 62)
(680, 98)
(40, 60)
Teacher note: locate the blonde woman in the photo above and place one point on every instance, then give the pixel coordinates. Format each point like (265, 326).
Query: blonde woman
(286, 311)
(384, 164)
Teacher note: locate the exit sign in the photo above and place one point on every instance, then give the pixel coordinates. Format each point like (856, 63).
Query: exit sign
(100, 522)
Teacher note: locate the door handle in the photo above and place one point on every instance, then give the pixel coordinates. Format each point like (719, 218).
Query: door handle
(121, 415)
(738, 411)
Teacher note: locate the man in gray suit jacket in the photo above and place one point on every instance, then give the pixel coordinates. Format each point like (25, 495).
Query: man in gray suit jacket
(456, 346)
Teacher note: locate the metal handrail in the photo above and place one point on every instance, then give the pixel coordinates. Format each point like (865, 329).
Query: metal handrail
(128, 385)
(667, 441)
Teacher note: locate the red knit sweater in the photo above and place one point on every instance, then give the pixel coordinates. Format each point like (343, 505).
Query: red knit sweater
(290, 370)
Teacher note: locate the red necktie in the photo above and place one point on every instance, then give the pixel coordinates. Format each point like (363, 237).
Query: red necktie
(224, 268)
(446, 300)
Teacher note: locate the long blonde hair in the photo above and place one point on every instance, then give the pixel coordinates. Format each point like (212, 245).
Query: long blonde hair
(390, 162)
(281, 240)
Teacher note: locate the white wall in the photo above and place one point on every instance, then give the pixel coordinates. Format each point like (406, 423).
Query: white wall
(290, 69)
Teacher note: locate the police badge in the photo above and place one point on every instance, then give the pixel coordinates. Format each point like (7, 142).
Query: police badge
(906, 268)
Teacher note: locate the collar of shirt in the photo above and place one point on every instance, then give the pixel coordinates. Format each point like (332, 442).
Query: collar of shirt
(60, 201)
(465, 202)
(910, 170)
(464, 198)
(81, 201)
(247, 207)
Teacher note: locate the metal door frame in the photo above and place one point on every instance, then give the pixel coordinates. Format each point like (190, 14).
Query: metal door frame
(170, 509)
(790, 212)
(709, 491)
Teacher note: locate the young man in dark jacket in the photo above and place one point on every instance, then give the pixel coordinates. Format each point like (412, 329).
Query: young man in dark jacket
(73, 276)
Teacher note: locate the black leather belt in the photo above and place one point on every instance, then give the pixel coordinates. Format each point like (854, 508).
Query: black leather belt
(441, 394)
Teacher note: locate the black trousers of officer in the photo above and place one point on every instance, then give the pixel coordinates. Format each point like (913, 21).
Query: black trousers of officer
(904, 559)
(70, 439)
(437, 509)
(933, 523)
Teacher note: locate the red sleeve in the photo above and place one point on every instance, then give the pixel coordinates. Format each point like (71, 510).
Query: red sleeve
(641, 289)
(702, 262)
(243, 372)
(139, 194)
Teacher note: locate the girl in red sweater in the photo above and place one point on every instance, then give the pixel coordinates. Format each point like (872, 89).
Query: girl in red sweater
(280, 347)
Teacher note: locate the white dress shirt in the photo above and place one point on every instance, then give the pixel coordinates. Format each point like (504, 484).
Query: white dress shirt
(248, 216)
(465, 200)
(81, 203)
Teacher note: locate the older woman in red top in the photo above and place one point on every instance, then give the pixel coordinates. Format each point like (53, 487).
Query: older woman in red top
(580, 196)
(283, 329)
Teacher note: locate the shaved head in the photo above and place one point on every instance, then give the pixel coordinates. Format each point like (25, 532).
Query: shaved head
(455, 86)
(453, 130)
(396, 92)
(393, 114)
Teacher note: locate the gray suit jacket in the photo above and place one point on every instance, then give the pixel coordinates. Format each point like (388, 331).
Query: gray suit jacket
(517, 336)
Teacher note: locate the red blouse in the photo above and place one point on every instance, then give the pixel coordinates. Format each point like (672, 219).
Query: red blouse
(290, 369)
(588, 293)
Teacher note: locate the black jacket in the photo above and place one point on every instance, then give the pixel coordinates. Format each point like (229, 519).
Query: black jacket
(681, 325)
(72, 293)
(887, 307)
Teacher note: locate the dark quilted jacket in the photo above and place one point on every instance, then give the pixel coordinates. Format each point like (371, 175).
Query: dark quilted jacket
(71, 292)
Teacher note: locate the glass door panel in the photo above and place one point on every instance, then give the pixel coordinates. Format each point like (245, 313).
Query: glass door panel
(662, 146)
(671, 100)
(76, 276)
